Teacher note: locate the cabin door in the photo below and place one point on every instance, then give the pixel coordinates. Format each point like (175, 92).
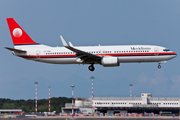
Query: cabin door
(156, 51)
(38, 54)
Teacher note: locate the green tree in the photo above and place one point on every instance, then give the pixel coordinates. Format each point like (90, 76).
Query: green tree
(29, 105)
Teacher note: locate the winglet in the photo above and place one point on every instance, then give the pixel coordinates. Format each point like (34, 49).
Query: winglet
(64, 42)
(71, 44)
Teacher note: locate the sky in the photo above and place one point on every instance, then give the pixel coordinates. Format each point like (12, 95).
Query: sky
(89, 23)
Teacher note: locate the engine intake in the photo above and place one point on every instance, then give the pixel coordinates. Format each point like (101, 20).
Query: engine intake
(110, 61)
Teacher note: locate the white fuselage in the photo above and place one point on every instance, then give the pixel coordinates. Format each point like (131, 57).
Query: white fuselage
(124, 53)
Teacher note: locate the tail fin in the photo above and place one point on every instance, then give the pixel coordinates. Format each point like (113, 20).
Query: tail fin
(19, 36)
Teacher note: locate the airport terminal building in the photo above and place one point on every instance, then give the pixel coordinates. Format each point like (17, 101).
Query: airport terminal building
(144, 104)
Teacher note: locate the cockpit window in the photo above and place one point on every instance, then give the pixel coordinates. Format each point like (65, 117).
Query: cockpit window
(166, 50)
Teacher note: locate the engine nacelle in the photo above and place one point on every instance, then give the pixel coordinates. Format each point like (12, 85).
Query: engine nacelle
(110, 61)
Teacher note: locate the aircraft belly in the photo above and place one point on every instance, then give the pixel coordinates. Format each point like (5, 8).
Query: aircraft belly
(57, 60)
(144, 58)
(123, 59)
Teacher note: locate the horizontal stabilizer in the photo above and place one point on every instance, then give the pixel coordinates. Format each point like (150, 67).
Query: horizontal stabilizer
(16, 50)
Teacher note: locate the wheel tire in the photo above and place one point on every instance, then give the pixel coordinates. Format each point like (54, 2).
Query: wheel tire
(91, 68)
(159, 66)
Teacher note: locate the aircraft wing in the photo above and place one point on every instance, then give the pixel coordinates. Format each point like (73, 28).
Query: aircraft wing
(16, 50)
(85, 56)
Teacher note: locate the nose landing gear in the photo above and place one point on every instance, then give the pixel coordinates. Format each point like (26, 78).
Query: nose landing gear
(91, 67)
(159, 66)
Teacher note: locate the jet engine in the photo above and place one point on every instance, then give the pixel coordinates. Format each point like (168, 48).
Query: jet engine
(109, 61)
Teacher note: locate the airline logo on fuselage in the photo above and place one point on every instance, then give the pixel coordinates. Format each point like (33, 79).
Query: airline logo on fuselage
(140, 48)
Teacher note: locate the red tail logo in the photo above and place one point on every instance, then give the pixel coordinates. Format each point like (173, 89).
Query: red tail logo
(19, 36)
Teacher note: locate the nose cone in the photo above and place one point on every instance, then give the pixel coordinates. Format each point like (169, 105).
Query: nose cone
(174, 55)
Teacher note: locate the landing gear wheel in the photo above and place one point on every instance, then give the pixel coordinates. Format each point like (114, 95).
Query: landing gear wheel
(91, 68)
(159, 66)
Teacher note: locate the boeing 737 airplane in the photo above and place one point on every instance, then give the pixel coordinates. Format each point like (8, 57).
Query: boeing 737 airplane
(108, 56)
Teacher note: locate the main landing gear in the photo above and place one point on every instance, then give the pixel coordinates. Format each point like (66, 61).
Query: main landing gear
(159, 66)
(91, 67)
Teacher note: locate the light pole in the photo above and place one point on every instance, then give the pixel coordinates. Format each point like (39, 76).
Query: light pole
(36, 96)
(92, 94)
(49, 99)
(72, 101)
(130, 90)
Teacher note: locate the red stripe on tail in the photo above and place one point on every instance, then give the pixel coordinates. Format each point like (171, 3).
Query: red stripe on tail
(19, 36)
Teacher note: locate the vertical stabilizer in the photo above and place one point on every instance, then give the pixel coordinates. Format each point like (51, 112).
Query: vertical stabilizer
(19, 36)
